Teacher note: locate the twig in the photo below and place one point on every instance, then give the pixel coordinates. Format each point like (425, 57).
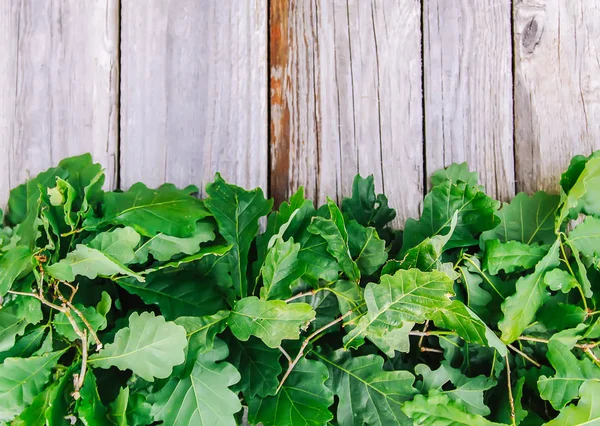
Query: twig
(79, 314)
(426, 349)
(583, 346)
(591, 354)
(424, 330)
(78, 379)
(510, 395)
(284, 352)
(305, 344)
(524, 355)
(40, 298)
(300, 295)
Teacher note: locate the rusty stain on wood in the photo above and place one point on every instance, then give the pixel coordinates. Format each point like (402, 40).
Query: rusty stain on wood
(280, 114)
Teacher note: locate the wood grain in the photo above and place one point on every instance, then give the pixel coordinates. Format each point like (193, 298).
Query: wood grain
(346, 98)
(58, 85)
(557, 87)
(468, 89)
(194, 92)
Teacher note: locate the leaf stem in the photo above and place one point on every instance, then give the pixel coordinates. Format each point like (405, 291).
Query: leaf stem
(305, 344)
(284, 352)
(524, 355)
(562, 249)
(510, 394)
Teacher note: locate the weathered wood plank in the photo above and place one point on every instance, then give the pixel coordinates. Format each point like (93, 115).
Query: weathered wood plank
(557, 87)
(346, 98)
(468, 89)
(58, 85)
(194, 92)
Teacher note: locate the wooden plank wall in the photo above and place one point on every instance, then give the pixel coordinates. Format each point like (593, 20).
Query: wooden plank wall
(283, 93)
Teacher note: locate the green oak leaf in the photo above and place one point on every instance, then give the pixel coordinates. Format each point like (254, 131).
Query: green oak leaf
(586, 238)
(437, 409)
(559, 316)
(11, 326)
(90, 263)
(259, 367)
(466, 390)
(365, 207)
(178, 292)
(166, 210)
(281, 270)
(333, 230)
(89, 407)
(118, 244)
(270, 320)
(320, 264)
(560, 280)
(583, 194)
(367, 249)
(587, 410)
(580, 271)
(511, 256)
(571, 373)
(526, 219)
(367, 393)
(159, 343)
(21, 379)
(118, 408)
(475, 215)
(408, 295)
(201, 333)
(303, 399)
(472, 276)
(459, 318)
(163, 247)
(426, 255)
(237, 212)
(202, 398)
(520, 308)
(13, 263)
(202, 254)
(455, 172)
(25, 346)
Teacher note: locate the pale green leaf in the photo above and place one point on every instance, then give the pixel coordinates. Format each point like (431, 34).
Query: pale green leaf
(408, 295)
(271, 321)
(118, 244)
(204, 398)
(159, 343)
(587, 410)
(13, 264)
(571, 373)
(90, 263)
(281, 270)
(560, 280)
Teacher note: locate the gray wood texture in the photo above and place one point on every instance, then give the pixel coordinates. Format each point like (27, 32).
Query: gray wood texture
(194, 92)
(58, 85)
(468, 89)
(557, 87)
(346, 99)
(284, 93)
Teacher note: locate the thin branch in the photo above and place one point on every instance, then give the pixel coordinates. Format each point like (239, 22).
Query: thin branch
(284, 352)
(426, 349)
(591, 354)
(583, 346)
(510, 394)
(305, 344)
(79, 314)
(524, 355)
(40, 298)
(78, 379)
(425, 327)
(301, 295)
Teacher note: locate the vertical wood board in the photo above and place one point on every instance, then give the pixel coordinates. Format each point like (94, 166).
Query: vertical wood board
(468, 89)
(194, 92)
(557, 87)
(58, 86)
(346, 99)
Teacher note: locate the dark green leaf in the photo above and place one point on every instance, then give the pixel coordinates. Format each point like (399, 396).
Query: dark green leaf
(511, 256)
(237, 212)
(366, 208)
(367, 249)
